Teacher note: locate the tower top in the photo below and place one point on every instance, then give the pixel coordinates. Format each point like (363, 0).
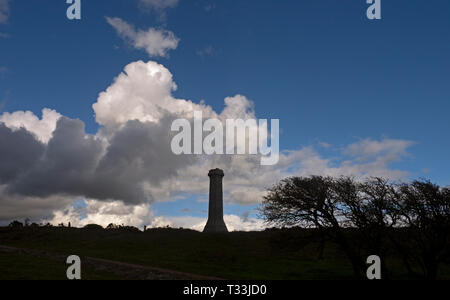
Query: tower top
(216, 172)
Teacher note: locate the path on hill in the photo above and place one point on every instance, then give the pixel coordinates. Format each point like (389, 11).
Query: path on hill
(124, 270)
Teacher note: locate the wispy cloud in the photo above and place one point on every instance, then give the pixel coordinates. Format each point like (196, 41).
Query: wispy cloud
(159, 4)
(209, 7)
(4, 11)
(3, 71)
(207, 51)
(156, 42)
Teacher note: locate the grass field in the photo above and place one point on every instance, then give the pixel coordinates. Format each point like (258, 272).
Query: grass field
(14, 266)
(253, 255)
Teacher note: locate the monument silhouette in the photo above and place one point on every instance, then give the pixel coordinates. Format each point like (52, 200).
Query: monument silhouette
(215, 216)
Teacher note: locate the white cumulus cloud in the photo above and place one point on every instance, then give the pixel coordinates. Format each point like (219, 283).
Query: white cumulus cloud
(101, 213)
(142, 92)
(42, 128)
(128, 165)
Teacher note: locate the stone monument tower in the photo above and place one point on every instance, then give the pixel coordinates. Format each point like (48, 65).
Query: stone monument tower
(215, 217)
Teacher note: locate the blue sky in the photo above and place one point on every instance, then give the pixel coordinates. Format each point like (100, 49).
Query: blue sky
(327, 72)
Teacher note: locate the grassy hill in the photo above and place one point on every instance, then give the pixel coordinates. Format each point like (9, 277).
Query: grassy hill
(273, 254)
(19, 266)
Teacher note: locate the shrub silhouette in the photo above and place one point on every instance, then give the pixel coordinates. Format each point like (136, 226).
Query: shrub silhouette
(93, 227)
(15, 224)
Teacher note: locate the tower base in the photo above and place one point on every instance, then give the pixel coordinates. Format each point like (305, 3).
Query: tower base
(215, 228)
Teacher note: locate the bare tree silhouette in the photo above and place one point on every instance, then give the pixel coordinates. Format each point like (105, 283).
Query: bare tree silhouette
(369, 217)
